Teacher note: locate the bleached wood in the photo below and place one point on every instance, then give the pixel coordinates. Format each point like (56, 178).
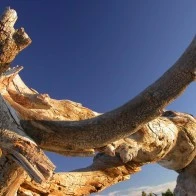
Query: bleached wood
(137, 133)
(12, 41)
(123, 121)
(155, 142)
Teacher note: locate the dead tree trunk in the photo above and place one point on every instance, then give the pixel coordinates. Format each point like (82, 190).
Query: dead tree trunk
(137, 133)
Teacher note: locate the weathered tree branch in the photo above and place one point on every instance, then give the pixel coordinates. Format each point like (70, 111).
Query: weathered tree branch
(11, 41)
(114, 125)
(122, 122)
(14, 142)
(11, 176)
(104, 172)
(19, 147)
(184, 150)
(168, 140)
(154, 142)
(137, 133)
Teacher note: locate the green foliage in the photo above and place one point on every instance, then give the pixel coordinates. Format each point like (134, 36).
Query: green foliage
(144, 193)
(168, 193)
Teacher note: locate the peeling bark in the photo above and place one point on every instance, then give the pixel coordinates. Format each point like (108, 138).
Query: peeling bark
(105, 171)
(14, 142)
(11, 176)
(16, 145)
(154, 143)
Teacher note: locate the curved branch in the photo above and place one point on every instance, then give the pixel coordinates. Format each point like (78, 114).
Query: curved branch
(149, 139)
(104, 172)
(103, 129)
(154, 142)
(123, 121)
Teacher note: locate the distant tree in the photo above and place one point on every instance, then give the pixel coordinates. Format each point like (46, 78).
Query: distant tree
(168, 193)
(144, 193)
(150, 194)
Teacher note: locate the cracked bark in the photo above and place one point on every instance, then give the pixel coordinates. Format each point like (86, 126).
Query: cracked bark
(104, 172)
(11, 176)
(136, 133)
(12, 41)
(123, 121)
(155, 143)
(16, 145)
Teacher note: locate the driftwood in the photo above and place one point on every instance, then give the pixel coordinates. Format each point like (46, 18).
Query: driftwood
(137, 133)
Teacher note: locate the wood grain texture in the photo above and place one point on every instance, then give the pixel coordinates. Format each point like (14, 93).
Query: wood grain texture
(137, 133)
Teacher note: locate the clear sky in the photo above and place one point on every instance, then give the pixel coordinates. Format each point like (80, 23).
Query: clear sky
(102, 53)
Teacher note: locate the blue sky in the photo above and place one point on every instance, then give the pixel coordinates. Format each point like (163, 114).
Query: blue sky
(102, 53)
